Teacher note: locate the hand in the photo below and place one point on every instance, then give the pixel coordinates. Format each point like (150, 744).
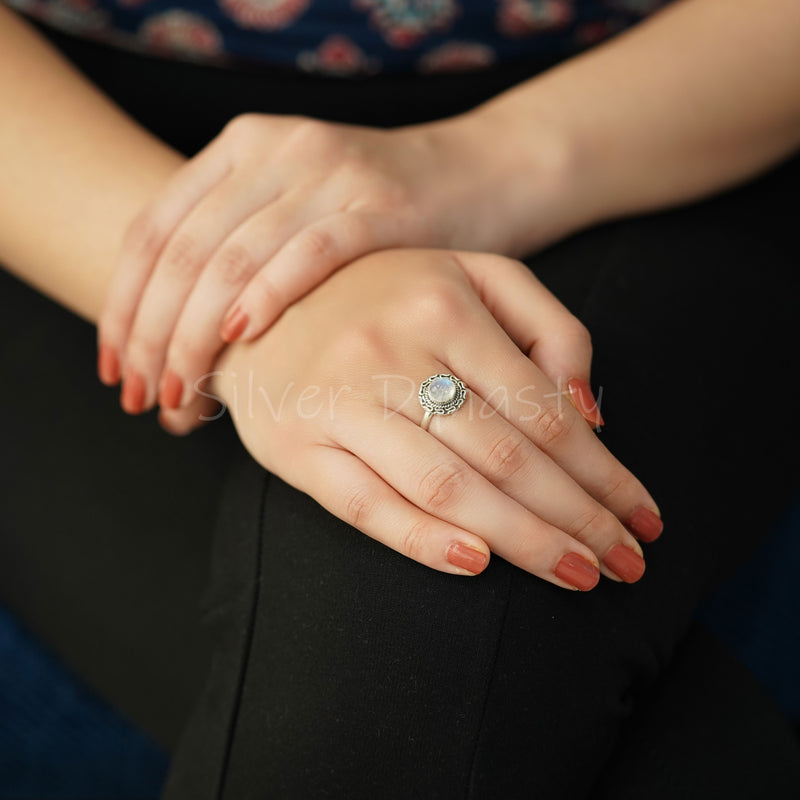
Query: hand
(327, 400)
(265, 213)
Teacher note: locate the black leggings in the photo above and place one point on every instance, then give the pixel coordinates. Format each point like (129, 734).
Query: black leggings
(281, 654)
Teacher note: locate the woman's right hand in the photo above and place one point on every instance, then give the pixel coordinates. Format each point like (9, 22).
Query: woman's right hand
(327, 400)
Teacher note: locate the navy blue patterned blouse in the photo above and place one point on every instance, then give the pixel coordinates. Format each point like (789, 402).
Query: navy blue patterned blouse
(346, 37)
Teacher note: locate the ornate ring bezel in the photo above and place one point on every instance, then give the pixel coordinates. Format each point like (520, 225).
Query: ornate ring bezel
(448, 407)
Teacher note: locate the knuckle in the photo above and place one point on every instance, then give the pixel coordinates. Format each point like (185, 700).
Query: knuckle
(122, 322)
(552, 426)
(413, 541)
(354, 167)
(181, 256)
(316, 243)
(579, 334)
(440, 303)
(186, 352)
(443, 485)
(267, 295)
(588, 525)
(235, 264)
(310, 139)
(393, 196)
(615, 486)
(115, 321)
(369, 187)
(241, 125)
(358, 506)
(506, 458)
(364, 344)
(315, 134)
(142, 238)
(143, 348)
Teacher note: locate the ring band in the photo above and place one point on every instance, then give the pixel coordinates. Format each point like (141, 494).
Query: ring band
(440, 394)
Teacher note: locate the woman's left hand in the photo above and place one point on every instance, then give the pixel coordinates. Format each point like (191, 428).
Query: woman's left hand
(265, 213)
(328, 401)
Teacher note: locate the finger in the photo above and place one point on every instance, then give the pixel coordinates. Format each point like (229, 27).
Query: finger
(506, 457)
(302, 263)
(202, 409)
(141, 247)
(539, 323)
(353, 492)
(440, 483)
(195, 340)
(516, 387)
(183, 259)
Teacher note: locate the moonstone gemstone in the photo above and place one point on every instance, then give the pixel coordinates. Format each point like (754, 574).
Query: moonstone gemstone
(441, 391)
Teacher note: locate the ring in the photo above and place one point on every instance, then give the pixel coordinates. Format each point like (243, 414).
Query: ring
(440, 394)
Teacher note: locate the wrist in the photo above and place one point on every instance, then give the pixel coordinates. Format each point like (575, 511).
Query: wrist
(536, 165)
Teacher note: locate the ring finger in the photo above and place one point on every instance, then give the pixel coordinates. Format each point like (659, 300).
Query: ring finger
(506, 457)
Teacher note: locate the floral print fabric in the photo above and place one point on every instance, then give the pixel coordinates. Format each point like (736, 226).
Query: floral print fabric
(346, 37)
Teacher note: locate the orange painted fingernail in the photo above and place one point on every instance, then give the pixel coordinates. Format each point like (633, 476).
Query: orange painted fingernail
(466, 557)
(133, 393)
(578, 572)
(171, 390)
(580, 394)
(108, 365)
(625, 563)
(234, 324)
(644, 524)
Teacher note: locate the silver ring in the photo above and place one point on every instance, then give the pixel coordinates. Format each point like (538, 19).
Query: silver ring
(440, 394)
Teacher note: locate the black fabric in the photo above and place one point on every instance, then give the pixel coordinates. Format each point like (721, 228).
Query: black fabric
(333, 667)
(706, 705)
(104, 555)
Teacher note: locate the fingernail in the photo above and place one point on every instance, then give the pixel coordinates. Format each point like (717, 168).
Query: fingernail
(578, 572)
(171, 390)
(580, 393)
(644, 524)
(108, 365)
(234, 324)
(626, 563)
(133, 393)
(466, 557)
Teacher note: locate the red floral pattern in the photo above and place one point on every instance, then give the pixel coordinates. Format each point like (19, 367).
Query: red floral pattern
(265, 15)
(337, 55)
(180, 33)
(348, 37)
(404, 23)
(457, 57)
(528, 17)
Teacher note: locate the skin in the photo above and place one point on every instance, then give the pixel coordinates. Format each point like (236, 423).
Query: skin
(80, 171)
(675, 130)
(275, 204)
(83, 186)
(516, 472)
